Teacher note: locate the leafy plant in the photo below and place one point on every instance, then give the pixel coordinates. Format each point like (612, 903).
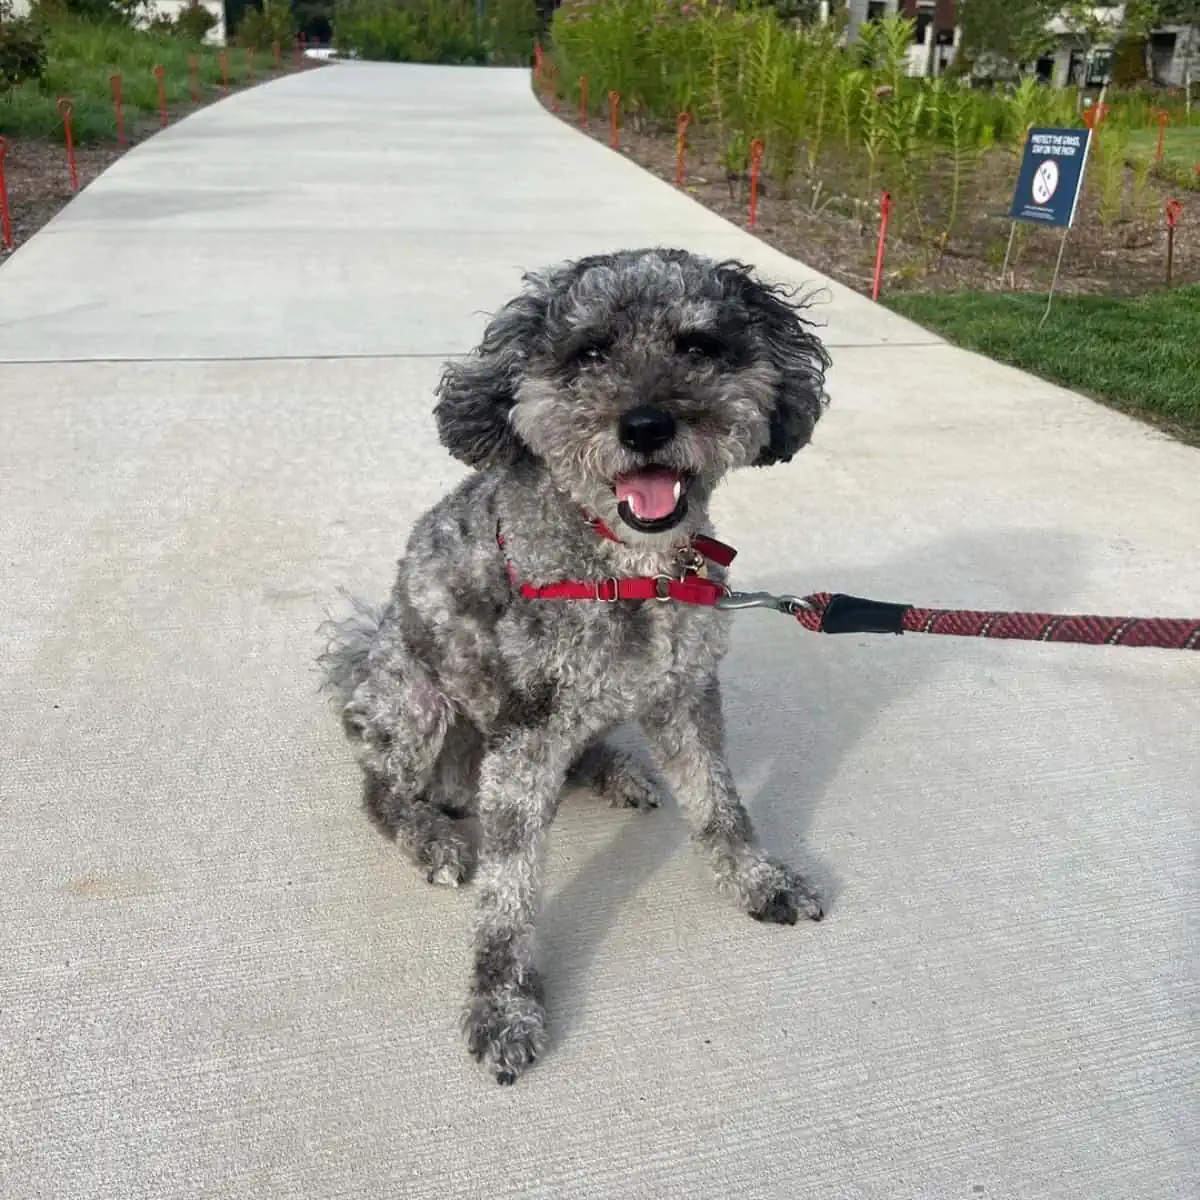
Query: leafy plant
(957, 108)
(445, 31)
(194, 22)
(22, 49)
(849, 90)
(262, 27)
(1108, 154)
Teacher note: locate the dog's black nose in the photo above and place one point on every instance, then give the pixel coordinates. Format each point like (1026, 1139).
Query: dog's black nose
(646, 428)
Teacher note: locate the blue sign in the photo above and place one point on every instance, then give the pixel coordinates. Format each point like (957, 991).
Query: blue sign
(1051, 176)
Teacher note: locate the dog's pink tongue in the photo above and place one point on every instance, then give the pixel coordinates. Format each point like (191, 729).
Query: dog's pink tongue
(650, 493)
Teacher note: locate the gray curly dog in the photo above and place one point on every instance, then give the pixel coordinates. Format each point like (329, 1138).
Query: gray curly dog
(602, 408)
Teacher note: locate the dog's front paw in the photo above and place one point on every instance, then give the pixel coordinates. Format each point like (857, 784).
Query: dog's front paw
(505, 1030)
(778, 895)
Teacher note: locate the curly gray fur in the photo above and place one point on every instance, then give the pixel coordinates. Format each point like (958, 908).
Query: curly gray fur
(462, 698)
(348, 644)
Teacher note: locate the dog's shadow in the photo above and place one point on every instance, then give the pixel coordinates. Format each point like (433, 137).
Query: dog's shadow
(812, 708)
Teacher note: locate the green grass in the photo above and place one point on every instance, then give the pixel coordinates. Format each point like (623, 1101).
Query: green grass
(82, 57)
(1139, 355)
(1181, 144)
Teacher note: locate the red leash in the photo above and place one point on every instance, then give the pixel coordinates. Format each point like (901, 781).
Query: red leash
(825, 612)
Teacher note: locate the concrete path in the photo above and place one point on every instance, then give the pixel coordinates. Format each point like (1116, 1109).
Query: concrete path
(217, 981)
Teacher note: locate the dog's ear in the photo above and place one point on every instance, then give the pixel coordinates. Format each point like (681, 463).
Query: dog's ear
(476, 394)
(797, 355)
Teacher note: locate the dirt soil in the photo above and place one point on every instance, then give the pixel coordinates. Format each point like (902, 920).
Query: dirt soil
(36, 168)
(836, 232)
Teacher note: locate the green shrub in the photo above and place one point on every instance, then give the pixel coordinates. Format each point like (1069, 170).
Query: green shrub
(510, 29)
(115, 12)
(436, 31)
(262, 27)
(417, 31)
(22, 49)
(194, 22)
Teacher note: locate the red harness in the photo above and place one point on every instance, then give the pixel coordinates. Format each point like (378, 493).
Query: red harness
(692, 588)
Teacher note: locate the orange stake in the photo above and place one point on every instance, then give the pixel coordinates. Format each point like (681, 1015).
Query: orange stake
(1164, 118)
(65, 110)
(5, 223)
(115, 83)
(1174, 208)
(885, 213)
(160, 73)
(681, 127)
(614, 119)
(756, 155)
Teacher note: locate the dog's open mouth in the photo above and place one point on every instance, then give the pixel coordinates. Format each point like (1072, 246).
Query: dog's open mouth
(653, 499)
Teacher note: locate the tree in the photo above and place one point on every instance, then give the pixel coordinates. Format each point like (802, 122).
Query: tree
(1006, 31)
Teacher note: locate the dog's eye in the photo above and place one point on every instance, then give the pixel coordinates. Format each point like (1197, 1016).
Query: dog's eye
(589, 355)
(699, 345)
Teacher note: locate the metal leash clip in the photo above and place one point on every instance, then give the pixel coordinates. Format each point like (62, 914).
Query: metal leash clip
(788, 605)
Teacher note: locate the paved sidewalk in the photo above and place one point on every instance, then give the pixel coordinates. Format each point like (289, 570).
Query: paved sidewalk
(216, 369)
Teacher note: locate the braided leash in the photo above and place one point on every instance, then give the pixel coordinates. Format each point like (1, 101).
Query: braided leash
(824, 612)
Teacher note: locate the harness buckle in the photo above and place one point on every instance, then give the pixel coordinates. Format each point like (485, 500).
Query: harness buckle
(662, 588)
(603, 587)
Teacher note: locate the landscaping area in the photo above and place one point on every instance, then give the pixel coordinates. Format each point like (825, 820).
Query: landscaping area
(709, 95)
(58, 55)
(834, 128)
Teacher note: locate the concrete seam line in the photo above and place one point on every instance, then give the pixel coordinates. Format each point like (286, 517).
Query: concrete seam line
(370, 356)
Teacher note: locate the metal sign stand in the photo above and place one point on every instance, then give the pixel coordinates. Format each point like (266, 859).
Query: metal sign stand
(1054, 281)
(1012, 233)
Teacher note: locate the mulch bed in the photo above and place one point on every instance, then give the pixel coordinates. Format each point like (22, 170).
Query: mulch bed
(38, 184)
(837, 235)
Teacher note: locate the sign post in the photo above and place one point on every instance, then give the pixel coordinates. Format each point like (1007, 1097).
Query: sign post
(1048, 188)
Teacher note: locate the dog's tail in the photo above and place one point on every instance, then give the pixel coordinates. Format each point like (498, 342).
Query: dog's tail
(348, 641)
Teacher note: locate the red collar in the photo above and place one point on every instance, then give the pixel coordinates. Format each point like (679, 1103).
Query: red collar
(691, 588)
(706, 547)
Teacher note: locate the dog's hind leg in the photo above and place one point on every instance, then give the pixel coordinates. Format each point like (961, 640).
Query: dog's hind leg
(430, 836)
(615, 775)
(398, 721)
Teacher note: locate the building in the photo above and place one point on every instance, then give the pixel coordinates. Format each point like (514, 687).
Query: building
(935, 37)
(1076, 58)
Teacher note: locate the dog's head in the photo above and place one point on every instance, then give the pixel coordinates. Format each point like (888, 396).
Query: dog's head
(638, 380)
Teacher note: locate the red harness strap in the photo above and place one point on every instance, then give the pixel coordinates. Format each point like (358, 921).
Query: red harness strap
(691, 589)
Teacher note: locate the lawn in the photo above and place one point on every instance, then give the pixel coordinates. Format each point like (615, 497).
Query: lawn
(1139, 355)
(1181, 144)
(82, 57)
